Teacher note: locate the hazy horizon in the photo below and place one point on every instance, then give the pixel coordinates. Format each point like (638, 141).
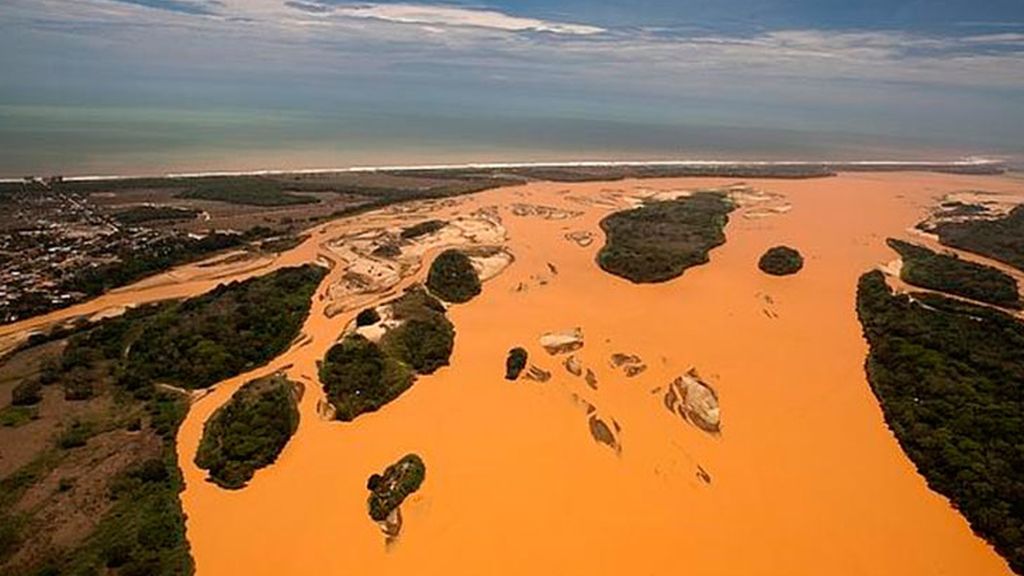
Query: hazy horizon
(150, 86)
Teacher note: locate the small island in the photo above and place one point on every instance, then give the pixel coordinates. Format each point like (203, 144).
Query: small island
(389, 490)
(781, 261)
(515, 363)
(360, 375)
(452, 277)
(660, 240)
(250, 431)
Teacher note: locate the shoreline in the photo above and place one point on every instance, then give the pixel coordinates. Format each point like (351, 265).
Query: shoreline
(881, 165)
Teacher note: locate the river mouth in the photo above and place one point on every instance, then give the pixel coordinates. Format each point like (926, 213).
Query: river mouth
(801, 476)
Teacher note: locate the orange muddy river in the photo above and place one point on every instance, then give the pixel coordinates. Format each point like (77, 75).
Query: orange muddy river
(805, 477)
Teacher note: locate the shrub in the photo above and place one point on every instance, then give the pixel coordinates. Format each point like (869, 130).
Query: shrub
(27, 393)
(422, 229)
(75, 435)
(515, 363)
(781, 261)
(453, 278)
(367, 317)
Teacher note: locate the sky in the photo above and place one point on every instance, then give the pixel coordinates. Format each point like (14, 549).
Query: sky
(143, 86)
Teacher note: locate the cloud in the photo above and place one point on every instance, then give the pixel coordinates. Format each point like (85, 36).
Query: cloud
(458, 16)
(195, 7)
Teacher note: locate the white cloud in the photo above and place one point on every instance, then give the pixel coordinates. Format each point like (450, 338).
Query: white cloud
(457, 16)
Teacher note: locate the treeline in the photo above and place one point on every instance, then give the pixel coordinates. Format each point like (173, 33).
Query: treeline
(660, 240)
(949, 377)
(249, 431)
(136, 263)
(951, 274)
(360, 376)
(252, 190)
(1001, 239)
(147, 214)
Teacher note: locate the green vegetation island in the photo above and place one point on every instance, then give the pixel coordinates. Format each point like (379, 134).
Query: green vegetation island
(108, 480)
(781, 261)
(950, 274)
(515, 363)
(422, 229)
(249, 431)
(660, 240)
(949, 376)
(390, 489)
(360, 376)
(1001, 239)
(452, 277)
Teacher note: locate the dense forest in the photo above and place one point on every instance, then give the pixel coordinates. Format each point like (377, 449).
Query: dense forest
(452, 277)
(949, 377)
(229, 330)
(1001, 239)
(249, 431)
(425, 337)
(660, 240)
(390, 489)
(360, 376)
(781, 261)
(951, 274)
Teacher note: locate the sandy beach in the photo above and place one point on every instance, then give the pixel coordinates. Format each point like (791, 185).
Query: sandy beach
(803, 479)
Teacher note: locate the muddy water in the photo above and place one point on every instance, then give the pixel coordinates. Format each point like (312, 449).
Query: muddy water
(804, 479)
